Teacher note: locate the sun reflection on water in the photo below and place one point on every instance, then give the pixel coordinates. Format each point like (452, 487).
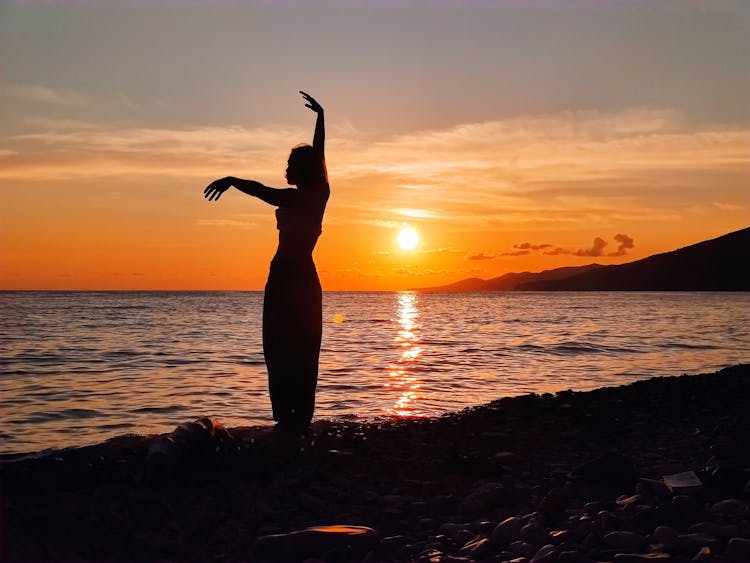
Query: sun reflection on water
(402, 377)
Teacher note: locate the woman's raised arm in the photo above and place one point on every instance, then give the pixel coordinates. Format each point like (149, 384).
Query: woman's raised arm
(319, 139)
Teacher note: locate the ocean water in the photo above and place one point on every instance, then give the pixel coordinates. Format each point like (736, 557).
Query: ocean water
(80, 367)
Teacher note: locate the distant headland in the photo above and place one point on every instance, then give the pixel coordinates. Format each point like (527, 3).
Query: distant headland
(719, 264)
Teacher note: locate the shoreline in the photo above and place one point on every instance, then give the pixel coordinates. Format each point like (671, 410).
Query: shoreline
(432, 489)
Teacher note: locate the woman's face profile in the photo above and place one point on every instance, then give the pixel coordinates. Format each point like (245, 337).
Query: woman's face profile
(291, 173)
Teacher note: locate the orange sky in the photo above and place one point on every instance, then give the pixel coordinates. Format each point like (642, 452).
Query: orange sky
(101, 178)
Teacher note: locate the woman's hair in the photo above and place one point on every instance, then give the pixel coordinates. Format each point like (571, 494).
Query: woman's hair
(307, 164)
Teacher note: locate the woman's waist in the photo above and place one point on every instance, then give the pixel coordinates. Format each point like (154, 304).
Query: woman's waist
(302, 261)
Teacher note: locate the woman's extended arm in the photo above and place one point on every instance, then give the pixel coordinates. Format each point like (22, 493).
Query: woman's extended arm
(319, 138)
(272, 196)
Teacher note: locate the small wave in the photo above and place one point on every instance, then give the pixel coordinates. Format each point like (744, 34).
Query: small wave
(170, 408)
(683, 346)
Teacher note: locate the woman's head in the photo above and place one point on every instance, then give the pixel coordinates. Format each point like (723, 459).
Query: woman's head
(304, 167)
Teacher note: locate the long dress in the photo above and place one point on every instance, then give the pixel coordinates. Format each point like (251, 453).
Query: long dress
(292, 312)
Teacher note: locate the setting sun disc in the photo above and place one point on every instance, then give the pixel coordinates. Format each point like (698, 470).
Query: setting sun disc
(408, 238)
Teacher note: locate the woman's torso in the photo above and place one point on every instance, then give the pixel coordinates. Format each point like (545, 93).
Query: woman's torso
(300, 225)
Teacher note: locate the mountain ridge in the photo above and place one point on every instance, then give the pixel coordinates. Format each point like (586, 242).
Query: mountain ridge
(710, 265)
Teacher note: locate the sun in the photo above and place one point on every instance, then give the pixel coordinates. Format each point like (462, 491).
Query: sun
(408, 238)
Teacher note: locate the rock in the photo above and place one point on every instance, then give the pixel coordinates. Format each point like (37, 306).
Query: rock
(686, 509)
(464, 536)
(594, 506)
(507, 458)
(450, 529)
(485, 497)
(510, 557)
(523, 548)
(738, 550)
(393, 542)
(697, 540)
(704, 554)
(572, 557)
(546, 554)
(189, 440)
(729, 479)
(643, 557)
(666, 535)
(713, 529)
(534, 533)
(316, 541)
(554, 503)
(508, 530)
(632, 500)
(611, 471)
(607, 520)
(728, 506)
(559, 536)
(624, 540)
(478, 548)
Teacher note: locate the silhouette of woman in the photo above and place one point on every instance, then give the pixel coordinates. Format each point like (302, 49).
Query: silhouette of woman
(292, 315)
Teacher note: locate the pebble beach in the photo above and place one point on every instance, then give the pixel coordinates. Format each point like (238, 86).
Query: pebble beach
(657, 470)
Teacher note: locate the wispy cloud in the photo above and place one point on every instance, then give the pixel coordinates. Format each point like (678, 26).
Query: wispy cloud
(543, 171)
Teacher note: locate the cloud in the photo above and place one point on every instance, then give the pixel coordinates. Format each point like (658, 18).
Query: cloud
(480, 256)
(440, 251)
(44, 95)
(596, 249)
(523, 252)
(722, 206)
(529, 246)
(626, 243)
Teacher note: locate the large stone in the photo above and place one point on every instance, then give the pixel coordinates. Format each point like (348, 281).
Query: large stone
(478, 548)
(188, 441)
(523, 548)
(728, 506)
(534, 533)
(554, 503)
(738, 550)
(666, 535)
(508, 530)
(315, 541)
(546, 554)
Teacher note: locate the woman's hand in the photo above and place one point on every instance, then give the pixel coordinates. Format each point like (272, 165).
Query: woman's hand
(218, 187)
(311, 103)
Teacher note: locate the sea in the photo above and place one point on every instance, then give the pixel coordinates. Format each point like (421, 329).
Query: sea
(77, 368)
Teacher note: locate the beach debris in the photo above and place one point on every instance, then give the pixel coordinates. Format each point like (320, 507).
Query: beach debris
(685, 482)
(188, 441)
(317, 541)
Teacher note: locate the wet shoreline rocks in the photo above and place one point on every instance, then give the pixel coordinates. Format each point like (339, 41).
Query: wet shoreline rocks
(657, 470)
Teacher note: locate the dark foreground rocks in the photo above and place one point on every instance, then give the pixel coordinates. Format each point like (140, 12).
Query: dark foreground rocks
(565, 478)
